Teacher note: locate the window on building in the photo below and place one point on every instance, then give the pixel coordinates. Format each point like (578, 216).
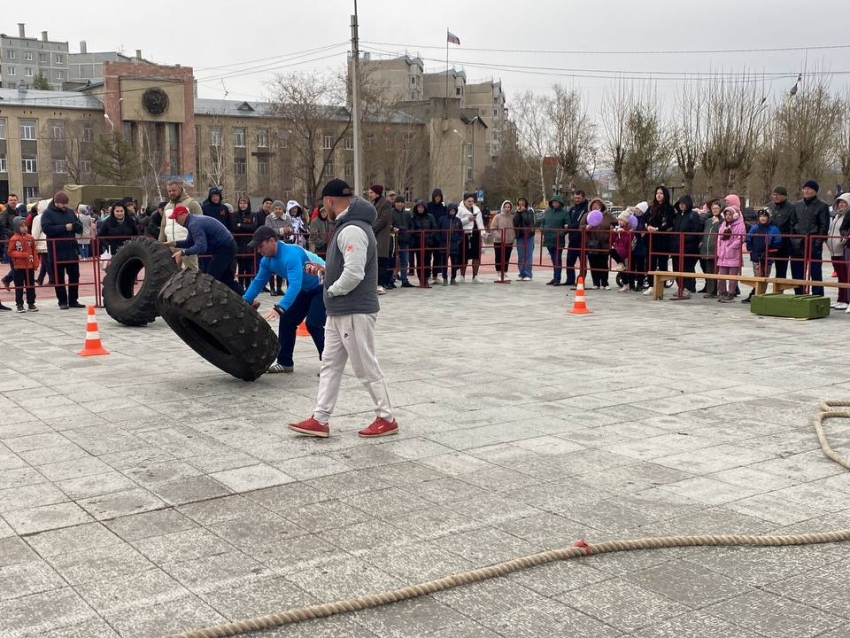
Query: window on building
(59, 58)
(60, 75)
(57, 130)
(349, 143)
(10, 54)
(2, 128)
(412, 80)
(28, 72)
(469, 149)
(263, 167)
(12, 70)
(468, 173)
(29, 164)
(27, 129)
(30, 192)
(327, 142)
(330, 169)
(263, 138)
(407, 140)
(495, 112)
(3, 167)
(216, 136)
(239, 137)
(88, 133)
(240, 166)
(458, 91)
(283, 138)
(370, 140)
(60, 167)
(86, 167)
(42, 58)
(349, 170)
(28, 56)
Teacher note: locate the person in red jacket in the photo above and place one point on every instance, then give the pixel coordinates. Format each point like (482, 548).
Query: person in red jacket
(25, 259)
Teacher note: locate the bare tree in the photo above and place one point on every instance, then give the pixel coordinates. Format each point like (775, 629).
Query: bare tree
(647, 156)
(514, 174)
(843, 143)
(153, 161)
(534, 130)
(808, 121)
(79, 145)
(768, 159)
(574, 133)
(688, 136)
(616, 104)
(310, 105)
(115, 161)
(736, 116)
(213, 151)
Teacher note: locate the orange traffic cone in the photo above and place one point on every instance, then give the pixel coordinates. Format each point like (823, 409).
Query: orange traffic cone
(92, 347)
(302, 330)
(580, 304)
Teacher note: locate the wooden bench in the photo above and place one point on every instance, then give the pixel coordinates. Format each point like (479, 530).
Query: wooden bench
(758, 283)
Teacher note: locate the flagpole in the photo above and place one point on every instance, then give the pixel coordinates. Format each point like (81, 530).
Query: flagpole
(447, 64)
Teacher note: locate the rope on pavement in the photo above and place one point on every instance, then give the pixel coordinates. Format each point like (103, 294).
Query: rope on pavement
(581, 548)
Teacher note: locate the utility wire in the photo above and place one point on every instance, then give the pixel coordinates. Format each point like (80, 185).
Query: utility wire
(270, 59)
(629, 53)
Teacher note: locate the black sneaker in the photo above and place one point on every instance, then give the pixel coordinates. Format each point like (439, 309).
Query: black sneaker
(407, 284)
(32, 308)
(21, 309)
(5, 308)
(76, 304)
(63, 306)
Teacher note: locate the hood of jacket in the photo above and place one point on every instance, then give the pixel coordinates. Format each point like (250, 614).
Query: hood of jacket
(434, 193)
(844, 197)
(603, 208)
(687, 201)
(215, 190)
(502, 207)
(733, 201)
(736, 213)
(361, 210)
(419, 202)
(557, 198)
(292, 204)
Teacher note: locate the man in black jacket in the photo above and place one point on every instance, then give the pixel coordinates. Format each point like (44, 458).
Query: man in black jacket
(61, 225)
(811, 219)
(574, 236)
(781, 215)
(687, 231)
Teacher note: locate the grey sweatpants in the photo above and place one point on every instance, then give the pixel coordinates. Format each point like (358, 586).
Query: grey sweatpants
(351, 337)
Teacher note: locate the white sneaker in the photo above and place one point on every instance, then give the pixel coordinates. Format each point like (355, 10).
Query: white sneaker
(606, 287)
(462, 279)
(435, 280)
(647, 292)
(381, 290)
(525, 279)
(847, 311)
(624, 288)
(840, 306)
(476, 280)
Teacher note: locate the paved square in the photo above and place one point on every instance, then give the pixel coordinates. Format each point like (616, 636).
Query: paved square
(146, 492)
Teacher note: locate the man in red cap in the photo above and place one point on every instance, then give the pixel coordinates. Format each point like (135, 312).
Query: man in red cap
(209, 237)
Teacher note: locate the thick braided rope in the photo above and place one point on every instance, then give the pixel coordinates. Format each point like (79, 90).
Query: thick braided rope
(581, 548)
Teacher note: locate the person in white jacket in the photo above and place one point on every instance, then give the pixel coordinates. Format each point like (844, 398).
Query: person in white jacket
(473, 228)
(40, 241)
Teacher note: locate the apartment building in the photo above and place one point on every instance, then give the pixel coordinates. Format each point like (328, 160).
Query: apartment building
(22, 59)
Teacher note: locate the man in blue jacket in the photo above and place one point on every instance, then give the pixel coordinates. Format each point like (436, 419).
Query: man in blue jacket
(61, 225)
(302, 301)
(209, 237)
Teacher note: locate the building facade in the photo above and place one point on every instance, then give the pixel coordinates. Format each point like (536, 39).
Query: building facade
(23, 59)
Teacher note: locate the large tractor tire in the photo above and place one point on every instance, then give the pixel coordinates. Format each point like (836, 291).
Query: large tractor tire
(123, 301)
(217, 324)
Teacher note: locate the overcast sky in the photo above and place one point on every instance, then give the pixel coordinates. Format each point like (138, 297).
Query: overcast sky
(248, 41)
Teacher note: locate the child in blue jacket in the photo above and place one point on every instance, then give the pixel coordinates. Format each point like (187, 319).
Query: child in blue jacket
(762, 240)
(451, 240)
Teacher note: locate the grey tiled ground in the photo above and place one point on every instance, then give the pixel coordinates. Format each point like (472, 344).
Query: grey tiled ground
(145, 492)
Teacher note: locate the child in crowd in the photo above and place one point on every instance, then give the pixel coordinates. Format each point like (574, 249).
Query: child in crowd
(451, 242)
(25, 259)
(730, 242)
(621, 245)
(762, 240)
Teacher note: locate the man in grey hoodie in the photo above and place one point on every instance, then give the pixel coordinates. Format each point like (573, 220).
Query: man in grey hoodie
(351, 303)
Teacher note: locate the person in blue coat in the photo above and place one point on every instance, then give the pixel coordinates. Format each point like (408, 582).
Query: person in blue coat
(207, 237)
(303, 299)
(763, 242)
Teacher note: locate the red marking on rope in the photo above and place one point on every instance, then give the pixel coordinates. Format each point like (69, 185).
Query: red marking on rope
(588, 549)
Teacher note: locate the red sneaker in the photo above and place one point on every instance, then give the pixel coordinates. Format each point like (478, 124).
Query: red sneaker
(311, 427)
(380, 427)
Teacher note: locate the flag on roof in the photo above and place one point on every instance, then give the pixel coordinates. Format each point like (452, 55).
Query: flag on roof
(452, 38)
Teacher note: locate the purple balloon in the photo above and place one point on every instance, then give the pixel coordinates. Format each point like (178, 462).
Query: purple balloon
(594, 218)
(633, 221)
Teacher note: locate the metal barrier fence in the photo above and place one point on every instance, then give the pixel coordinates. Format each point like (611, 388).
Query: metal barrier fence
(429, 252)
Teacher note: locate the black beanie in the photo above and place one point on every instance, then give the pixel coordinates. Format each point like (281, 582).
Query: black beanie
(810, 183)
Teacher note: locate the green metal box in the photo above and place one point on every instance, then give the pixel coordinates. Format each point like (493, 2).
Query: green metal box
(793, 306)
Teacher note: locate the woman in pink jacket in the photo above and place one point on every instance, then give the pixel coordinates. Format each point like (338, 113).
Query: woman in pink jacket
(730, 241)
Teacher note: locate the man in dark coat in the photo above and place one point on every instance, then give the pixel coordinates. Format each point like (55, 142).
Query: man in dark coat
(215, 207)
(61, 226)
(575, 217)
(811, 219)
(382, 227)
(687, 232)
(781, 214)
